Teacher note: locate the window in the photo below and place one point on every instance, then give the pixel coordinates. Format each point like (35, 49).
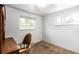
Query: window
(67, 19)
(26, 23)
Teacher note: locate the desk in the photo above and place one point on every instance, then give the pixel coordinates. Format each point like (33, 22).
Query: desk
(10, 46)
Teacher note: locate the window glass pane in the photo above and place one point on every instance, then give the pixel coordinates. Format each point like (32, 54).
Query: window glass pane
(70, 19)
(27, 23)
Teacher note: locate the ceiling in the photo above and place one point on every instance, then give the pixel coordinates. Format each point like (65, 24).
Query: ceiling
(34, 8)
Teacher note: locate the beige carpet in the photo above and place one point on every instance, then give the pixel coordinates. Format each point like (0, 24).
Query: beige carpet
(47, 48)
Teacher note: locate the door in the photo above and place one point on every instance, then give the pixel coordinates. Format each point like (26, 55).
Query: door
(2, 32)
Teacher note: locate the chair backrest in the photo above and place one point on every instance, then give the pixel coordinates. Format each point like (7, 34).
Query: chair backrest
(27, 39)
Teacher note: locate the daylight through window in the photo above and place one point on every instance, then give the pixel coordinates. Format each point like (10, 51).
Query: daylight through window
(27, 23)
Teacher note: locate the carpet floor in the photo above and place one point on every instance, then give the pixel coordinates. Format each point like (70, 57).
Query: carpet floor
(43, 47)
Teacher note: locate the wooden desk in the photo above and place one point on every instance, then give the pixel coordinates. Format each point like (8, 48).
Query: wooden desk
(10, 46)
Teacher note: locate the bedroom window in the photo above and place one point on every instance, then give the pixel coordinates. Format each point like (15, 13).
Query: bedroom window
(71, 19)
(27, 23)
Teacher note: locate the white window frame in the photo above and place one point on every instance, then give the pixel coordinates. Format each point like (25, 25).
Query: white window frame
(24, 27)
(71, 19)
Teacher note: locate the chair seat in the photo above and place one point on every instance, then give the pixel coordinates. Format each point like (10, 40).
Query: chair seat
(24, 50)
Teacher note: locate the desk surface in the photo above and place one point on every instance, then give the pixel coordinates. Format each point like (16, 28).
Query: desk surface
(10, 45)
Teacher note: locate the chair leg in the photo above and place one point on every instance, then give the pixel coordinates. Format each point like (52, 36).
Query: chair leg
(28, 51)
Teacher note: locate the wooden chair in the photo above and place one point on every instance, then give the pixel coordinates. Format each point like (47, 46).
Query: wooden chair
(26, 44)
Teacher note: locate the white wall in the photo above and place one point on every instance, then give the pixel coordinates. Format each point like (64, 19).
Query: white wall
(63, 36)
(12, 25)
